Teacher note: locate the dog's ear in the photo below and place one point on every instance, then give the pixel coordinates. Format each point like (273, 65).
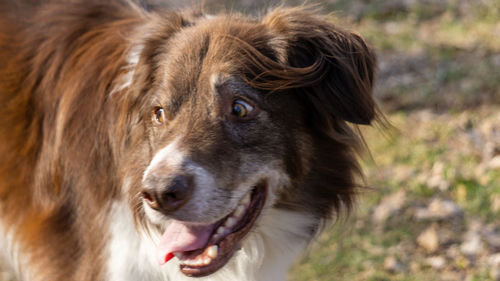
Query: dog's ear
(342, 65)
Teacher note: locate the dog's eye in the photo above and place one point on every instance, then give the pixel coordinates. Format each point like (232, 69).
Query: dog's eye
(159, 115)
(241, 109)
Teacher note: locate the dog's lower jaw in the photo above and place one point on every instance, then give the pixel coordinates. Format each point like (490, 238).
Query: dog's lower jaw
(267, 253)
(225, 238)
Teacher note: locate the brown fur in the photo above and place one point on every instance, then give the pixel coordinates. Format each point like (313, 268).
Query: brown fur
(67, 145)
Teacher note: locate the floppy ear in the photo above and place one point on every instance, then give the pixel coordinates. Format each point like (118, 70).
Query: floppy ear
(342, 64)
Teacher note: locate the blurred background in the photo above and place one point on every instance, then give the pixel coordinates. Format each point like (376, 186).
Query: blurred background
(434, 210)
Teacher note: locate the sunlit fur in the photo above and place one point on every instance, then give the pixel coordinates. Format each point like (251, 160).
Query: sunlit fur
(78, 84)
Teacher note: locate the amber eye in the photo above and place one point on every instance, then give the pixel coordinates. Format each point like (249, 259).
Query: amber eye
(241, 109)
(159, 115)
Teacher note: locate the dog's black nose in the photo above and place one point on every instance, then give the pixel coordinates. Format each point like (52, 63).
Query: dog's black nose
(170, 197)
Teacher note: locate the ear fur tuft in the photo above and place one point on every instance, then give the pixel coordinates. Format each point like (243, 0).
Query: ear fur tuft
(341, 63)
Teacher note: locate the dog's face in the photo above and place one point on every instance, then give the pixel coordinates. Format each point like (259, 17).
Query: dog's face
(238, 114)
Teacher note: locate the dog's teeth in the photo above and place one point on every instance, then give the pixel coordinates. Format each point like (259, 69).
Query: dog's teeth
(216, 237)
(213, 251)
(196, 262)
(246, 199)
(230, 222)
(207, 260)
(221, 230)
(239, 211)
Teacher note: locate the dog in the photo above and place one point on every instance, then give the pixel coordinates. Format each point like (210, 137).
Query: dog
(139, 143)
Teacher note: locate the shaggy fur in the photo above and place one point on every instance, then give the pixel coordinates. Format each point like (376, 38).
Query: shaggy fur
(79, 84)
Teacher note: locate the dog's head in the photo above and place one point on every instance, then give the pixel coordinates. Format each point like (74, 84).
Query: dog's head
(234, 116)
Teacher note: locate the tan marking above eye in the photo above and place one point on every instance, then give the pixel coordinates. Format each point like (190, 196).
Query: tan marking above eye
(159, 115)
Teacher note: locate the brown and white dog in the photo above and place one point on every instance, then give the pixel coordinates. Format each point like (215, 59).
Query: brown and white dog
(129, 137)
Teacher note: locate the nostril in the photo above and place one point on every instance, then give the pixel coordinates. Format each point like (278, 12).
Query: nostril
(150, 200)
(176, 193)
(146, 196)
(170, 196)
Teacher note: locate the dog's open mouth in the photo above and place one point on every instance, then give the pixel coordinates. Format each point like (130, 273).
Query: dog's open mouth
(203, 249)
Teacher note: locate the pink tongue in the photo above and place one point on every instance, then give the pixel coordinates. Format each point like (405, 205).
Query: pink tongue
(179, 237)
